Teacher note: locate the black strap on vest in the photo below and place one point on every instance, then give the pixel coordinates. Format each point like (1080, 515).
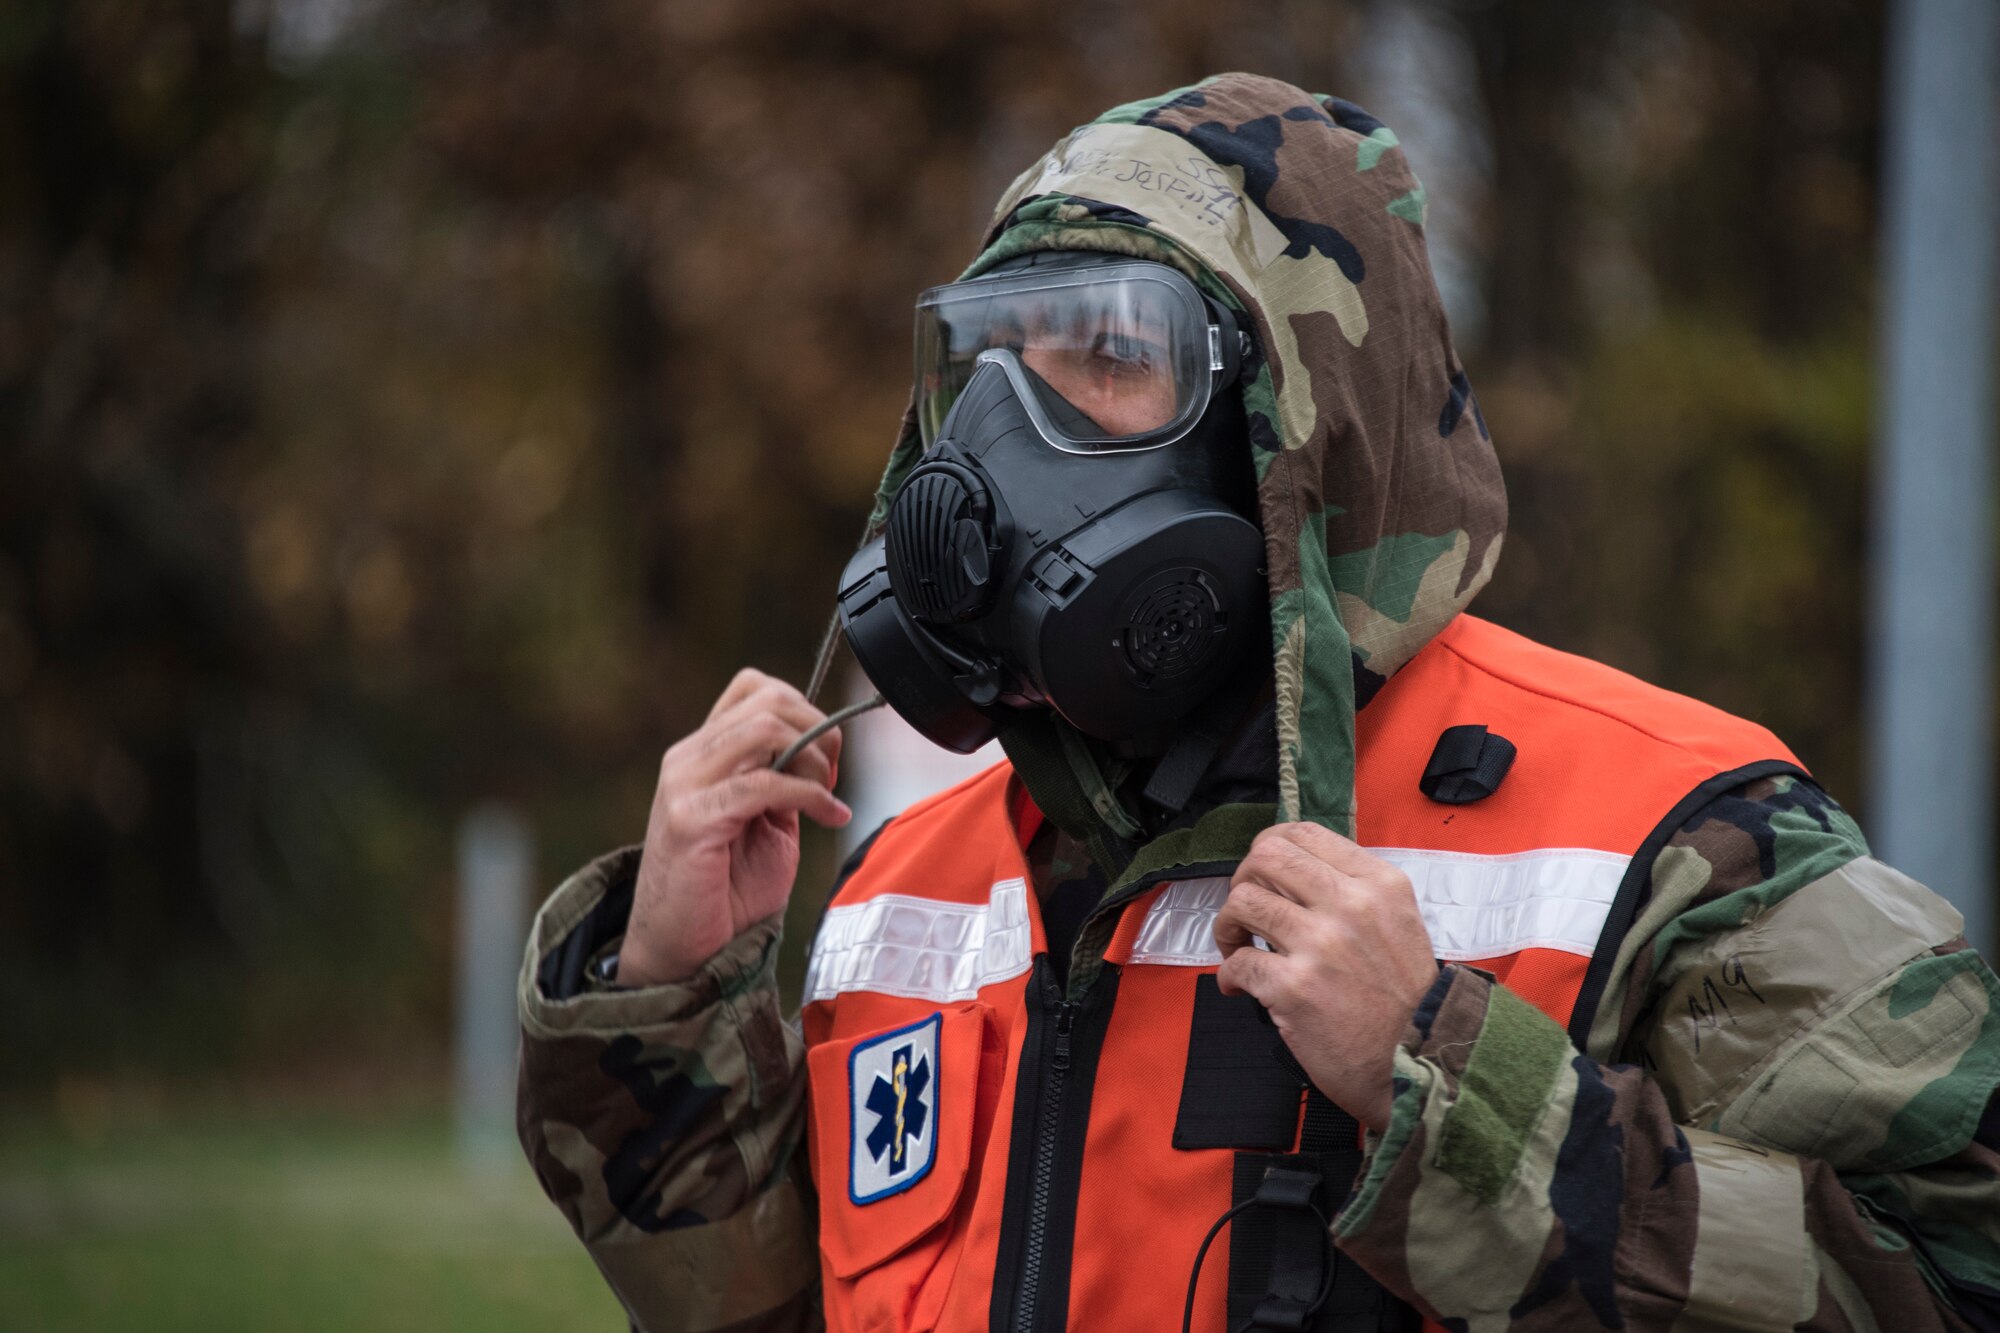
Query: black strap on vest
(1279, 1245)
(1284, 1271)
(1180, 768)
(1242, 1089)
(1200, 738)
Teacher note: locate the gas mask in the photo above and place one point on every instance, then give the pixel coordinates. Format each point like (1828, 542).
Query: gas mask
(1079, 533)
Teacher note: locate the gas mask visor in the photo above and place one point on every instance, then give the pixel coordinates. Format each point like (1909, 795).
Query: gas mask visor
(1107, 358)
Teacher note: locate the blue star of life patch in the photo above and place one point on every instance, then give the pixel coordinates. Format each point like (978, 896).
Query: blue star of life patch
(892, 1096)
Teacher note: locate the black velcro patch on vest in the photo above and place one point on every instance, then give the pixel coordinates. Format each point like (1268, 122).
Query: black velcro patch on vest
(1468, 765)
(1238, 1091)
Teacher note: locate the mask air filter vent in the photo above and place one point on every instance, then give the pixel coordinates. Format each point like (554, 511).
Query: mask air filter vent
(940, 552)
(1174, 625)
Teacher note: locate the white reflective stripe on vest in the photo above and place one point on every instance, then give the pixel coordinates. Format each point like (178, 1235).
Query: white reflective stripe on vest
(1179, 929)
(1474, 906)
(921, 948)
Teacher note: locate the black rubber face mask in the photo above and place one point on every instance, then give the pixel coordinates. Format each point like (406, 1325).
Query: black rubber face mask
(1024, 567)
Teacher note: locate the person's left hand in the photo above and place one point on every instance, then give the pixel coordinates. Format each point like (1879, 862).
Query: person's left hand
(1349, 961)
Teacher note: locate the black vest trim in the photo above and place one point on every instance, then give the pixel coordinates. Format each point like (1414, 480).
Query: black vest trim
(852, 864)
(1636, 888)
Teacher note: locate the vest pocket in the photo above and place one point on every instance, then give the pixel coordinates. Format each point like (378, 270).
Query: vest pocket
(892, 1123)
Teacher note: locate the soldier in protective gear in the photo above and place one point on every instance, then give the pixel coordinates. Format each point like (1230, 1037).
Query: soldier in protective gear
(1412, 972)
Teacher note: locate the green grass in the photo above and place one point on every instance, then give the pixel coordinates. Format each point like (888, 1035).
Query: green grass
(266, 1222)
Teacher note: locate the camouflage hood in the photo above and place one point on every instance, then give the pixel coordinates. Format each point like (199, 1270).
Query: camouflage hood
(1380, 495)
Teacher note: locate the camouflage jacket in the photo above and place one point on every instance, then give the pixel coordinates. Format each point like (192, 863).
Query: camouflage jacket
(1797, 1142)
(1807, 1145)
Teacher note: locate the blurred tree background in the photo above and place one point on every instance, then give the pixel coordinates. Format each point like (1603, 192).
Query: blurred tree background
(403, 406)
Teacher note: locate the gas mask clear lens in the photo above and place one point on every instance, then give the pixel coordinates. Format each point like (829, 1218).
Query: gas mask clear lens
(1110, 358)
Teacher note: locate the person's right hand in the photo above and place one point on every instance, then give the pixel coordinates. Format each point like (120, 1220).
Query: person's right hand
(722, 842)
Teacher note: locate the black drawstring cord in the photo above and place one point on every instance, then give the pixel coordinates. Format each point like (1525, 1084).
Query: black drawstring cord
(1201, 1257)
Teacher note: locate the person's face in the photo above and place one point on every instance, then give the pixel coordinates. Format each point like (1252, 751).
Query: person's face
(1113, 368)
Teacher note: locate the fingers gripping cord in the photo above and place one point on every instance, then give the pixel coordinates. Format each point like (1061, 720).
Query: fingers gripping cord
(833, 719)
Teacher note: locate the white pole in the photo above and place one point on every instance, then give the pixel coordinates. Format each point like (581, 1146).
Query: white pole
(495, 864)
(1932, 624)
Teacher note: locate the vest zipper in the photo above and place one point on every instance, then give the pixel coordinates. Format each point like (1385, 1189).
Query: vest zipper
(1045, 1168)
(1038, 1220)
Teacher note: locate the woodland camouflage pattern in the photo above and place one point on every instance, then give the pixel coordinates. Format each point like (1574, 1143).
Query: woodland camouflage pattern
(666, 1123)
(1776, 1119)
(1807, 1049)
(1379, 491)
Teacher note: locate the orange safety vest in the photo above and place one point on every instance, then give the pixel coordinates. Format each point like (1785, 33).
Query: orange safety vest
(984, 1146)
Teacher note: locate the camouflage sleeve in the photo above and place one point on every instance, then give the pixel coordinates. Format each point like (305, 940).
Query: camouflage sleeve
(665, 1121)
(1794, 1137)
